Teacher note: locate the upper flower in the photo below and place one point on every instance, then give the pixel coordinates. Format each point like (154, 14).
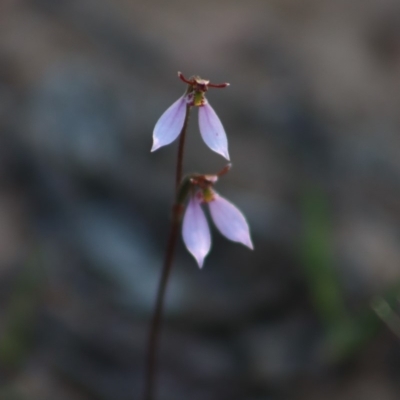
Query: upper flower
(227, 218)
(170, 124)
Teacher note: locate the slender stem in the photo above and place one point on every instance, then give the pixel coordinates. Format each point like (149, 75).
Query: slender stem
(177, 210)
(158, 311)
(181, 147)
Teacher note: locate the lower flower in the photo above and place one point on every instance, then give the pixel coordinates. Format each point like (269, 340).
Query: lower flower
(227, 218)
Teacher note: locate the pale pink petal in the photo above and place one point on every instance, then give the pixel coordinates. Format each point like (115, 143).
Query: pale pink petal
(195, 231)
(212, 131)
(170, 124)
(230, 221)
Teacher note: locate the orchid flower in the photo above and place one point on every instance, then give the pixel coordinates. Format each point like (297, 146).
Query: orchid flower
(228, 218)
(170, 124)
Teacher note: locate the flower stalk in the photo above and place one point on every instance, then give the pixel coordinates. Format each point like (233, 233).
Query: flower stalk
(181, 148)
(155, 325)
(152, 347)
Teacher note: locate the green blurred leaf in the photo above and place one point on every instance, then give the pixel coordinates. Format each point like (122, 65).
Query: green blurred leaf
(317, 259)
(21, 315)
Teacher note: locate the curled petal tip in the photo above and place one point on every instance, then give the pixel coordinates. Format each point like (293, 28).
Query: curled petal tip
(183, 79)
(219, 85)
(224, 170)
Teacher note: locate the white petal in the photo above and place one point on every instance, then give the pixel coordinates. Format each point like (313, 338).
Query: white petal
(212, 131)
(170, 124)
(230, 221)
(195, 231)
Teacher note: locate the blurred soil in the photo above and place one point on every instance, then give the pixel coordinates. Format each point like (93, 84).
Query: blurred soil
(312, 116)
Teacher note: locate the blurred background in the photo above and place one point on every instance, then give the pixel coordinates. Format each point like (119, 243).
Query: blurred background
(312, 116)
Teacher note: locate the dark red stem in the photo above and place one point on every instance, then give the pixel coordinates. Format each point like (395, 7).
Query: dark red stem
(159, 307)
(181, 148)
(153, 338)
